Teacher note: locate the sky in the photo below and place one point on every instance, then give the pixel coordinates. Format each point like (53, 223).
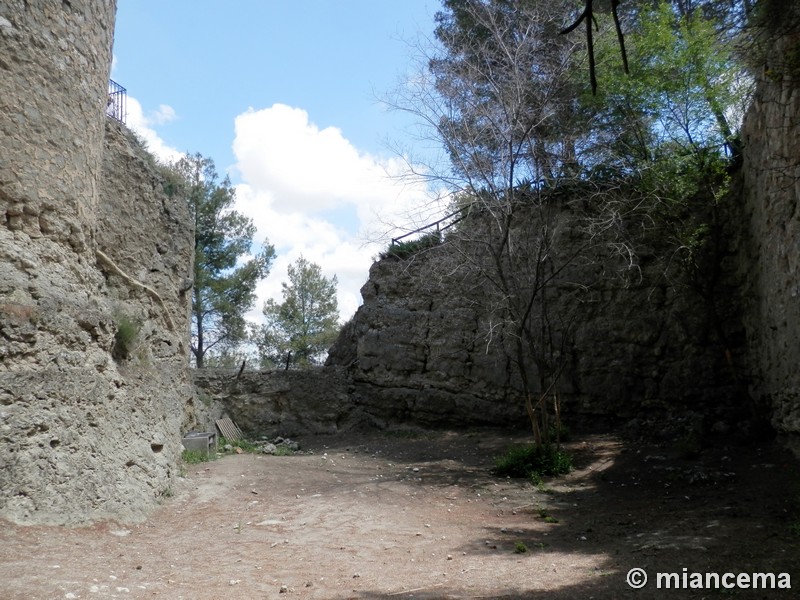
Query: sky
(285, 97)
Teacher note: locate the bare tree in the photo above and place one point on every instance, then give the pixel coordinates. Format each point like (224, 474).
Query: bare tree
(499, 95)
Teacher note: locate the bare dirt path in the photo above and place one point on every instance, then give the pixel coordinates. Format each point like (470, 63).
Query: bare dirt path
(418, 515)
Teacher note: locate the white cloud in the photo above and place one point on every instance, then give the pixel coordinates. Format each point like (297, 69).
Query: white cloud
(143, 125)
(164, 114)
(311, 192)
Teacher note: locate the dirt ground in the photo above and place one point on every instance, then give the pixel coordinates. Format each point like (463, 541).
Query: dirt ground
(417, 514)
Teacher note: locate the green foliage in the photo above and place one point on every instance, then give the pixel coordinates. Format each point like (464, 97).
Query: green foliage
(305, 323)
(686, 92)
(126, 336)
(224, 284)
(194, 457)
(404, 250)
(520, 548)
(281, 450)
(244, 445)
(533, 462)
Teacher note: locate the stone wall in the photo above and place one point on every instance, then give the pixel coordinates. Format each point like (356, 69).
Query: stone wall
(425, 346)
(280, 403)
(87, 240)
(771, 186)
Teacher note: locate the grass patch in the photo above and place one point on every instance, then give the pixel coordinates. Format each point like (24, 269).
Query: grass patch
(546, 517)
(194, 457)
(520, 548)
(244, 445)
(533, 462)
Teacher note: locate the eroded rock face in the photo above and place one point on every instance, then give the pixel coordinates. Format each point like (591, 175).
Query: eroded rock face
(88, 430)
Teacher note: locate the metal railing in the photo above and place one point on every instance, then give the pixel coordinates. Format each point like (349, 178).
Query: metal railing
(462, 214)
(116, 103)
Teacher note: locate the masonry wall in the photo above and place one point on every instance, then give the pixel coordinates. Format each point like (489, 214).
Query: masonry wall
(771, 190)
(423, 347)
(426, 347)
(286, 403)
(87, 240)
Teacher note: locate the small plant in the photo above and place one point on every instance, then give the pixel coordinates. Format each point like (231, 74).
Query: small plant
(403, 250)
(559, 432)
(281, 450)
(194, 457)
(125, 337)
(546, 516)
(520, 548)
(244, 445)
(533, 462)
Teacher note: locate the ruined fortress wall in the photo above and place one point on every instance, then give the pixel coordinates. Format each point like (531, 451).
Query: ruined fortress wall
(418, 347)
(771, 172)
(425, 346)
(87, 241)
(286, 403)
(55, 61)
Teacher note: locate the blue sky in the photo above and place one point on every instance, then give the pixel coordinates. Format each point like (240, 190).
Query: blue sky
(283, 95)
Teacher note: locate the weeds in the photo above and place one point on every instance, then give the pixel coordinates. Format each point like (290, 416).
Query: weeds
(125, 337)
(240, 446)
(193, 457)
(533, 462)
(546, 517)
(244, 445)
(520, 548)
(403, 250)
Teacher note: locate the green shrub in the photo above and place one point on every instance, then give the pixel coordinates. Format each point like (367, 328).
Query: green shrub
(533, 462)
(125, 337)
(403, 250)
(244, 445)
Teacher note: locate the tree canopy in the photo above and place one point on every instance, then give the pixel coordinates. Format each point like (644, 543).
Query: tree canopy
(505, 94)
(225, 271)
(300, 329)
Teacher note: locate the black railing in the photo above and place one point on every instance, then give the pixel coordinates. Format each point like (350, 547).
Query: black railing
(115, 104)
(462, 214)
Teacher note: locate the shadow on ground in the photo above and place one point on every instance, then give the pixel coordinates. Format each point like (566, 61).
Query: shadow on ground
(725, 509)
